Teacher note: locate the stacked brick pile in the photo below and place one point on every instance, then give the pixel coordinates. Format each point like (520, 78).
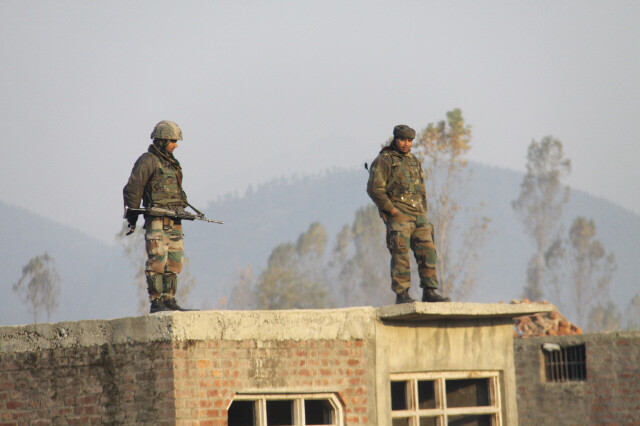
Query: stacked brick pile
(551, 323)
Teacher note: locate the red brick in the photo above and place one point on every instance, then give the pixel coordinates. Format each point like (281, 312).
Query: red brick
(14, 405)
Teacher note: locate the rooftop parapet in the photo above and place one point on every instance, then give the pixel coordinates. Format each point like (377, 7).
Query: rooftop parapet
(341, 324)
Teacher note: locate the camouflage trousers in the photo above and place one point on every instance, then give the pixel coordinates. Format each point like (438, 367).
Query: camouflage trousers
(404, 233)
(165, 256)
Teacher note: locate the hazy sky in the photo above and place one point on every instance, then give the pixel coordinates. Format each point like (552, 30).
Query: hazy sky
(264, 89)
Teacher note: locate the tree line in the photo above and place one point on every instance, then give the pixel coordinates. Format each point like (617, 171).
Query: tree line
(571, 268)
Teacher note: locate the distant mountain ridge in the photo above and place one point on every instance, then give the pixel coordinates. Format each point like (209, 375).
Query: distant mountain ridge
(97, 280)
(279, 211)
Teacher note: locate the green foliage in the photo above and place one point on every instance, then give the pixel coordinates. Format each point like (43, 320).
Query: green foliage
(539, 206)
(38, 287)
(294, 277)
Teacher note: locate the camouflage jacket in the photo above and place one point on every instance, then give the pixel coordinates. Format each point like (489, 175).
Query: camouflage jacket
(156, 179)
(397, 180)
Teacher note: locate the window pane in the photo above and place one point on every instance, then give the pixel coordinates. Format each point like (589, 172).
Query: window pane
(428, 421)
(318, 412)
(426, 394)
(400, 422)
(470, 420)
(242, 413)
(280, 413)
(399, 395)
(467, 393)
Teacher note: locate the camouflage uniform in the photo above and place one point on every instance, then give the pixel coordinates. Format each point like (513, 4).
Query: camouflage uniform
(397, 180)
(156, 179)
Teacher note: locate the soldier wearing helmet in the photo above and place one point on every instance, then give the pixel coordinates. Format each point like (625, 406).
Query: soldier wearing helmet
(156, 180)
(396, 186)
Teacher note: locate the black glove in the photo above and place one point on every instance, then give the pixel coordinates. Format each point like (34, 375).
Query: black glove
(131, 221)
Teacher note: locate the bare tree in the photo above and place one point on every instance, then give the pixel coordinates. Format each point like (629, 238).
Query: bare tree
(361, 261)
(442, 148)
(243, 292)
(359, 266)
(134, 249)
(604, 318)
(38, 286)
(361, 257)
(632, 313)
(581, 262)
(591, 266)
(186, 281)
(539, 206)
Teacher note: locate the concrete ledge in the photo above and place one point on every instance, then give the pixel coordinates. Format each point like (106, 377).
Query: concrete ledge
(304, 324)
(295, 324)
(33, 337)
(420, 311)
(342, 324)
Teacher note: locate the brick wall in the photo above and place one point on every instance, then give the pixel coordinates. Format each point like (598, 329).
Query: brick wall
(610, 395)
(186, 368)
(188, 382)
(209, 373)
(101, 384)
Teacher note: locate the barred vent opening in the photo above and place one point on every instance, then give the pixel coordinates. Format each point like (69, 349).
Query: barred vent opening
(564, 364)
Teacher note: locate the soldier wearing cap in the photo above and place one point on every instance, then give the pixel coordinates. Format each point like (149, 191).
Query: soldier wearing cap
(156, 180)
(396, 186)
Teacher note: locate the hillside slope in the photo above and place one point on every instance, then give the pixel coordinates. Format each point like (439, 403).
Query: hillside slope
(279, 211)
(94, 277)
(97, 278)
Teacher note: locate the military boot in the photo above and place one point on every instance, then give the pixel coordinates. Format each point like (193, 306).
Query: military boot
(430, 295)
(172, 305)
(158, 306)
(404, 297)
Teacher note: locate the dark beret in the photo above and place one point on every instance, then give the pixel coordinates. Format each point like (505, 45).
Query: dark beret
(402, 131)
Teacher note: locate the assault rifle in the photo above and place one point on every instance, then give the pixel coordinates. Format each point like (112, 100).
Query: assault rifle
(164, 212)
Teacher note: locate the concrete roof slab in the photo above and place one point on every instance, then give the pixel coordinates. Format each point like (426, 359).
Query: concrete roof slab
(422, 311)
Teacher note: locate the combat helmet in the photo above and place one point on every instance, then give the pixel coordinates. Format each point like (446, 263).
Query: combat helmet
(167, 130)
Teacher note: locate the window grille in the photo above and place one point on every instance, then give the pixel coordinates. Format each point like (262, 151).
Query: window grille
(285, 409)
(565, 364)
(446, 398)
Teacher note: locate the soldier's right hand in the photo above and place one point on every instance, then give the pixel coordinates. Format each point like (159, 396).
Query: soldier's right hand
(383, 216)
(131, 227)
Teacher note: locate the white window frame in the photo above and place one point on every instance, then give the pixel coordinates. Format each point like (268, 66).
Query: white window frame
(260, 401)
(442, 412)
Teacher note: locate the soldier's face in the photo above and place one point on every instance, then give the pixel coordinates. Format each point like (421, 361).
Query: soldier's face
(404, 145)
(171, 146)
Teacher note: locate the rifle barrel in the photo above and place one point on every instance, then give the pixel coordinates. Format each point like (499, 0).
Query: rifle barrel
(170, 213)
